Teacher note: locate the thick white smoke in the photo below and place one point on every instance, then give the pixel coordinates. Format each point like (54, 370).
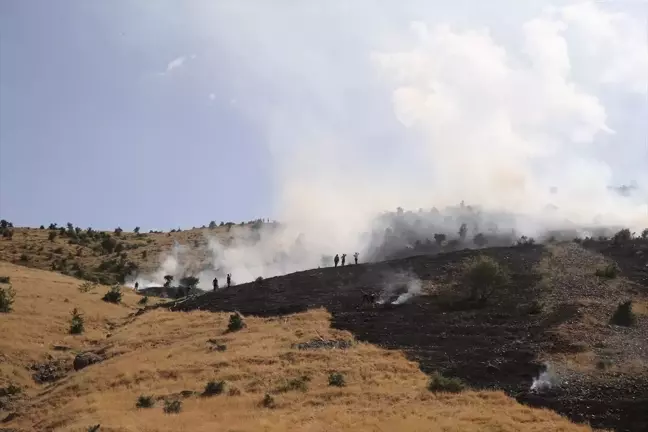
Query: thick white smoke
(517, 107)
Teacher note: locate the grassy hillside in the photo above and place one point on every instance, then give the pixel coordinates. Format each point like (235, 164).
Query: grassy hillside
(106, 257)
(171, 356)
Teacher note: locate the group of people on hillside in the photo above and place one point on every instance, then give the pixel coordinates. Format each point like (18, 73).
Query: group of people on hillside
(336, 260)
(229, 281)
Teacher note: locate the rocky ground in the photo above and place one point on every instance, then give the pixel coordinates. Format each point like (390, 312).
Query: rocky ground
(554, 311)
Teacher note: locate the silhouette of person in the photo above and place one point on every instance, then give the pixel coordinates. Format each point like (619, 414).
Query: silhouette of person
(229, 280)
(336, 260)
(215, 284)
(343, 258)
(355, 257)
(136, 286)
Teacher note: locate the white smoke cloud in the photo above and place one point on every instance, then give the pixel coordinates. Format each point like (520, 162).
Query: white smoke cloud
(367, 106)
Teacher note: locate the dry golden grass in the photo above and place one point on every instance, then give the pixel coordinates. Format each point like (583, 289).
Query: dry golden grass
(161, 353)
(144, 250)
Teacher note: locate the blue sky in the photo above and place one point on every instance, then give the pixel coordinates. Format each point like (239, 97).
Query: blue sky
(171, 113)
(91, 133)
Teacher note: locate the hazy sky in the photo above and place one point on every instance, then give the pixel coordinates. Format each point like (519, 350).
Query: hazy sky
(173, 113)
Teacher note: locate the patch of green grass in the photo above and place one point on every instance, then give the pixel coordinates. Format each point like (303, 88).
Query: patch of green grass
(440, 384)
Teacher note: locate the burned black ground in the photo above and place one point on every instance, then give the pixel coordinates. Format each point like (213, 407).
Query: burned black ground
(554, 307)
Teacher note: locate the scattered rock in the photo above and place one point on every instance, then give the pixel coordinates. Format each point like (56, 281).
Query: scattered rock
(50, 371)
(324, 344)
(85, 359)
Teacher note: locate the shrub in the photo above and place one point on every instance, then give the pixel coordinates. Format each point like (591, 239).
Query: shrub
(87, 286)
(143, 301)
(94, 428)
(7, 233)
(144, 254)
(41, 227)
(610, 271)
(214, 388)
(235, 322)
(172, 406)
(167, 281)
(259, 280)
(5, 279)
(118, 231)
(623, 315)
(76, 325)
(113, 295)
(484, 276)
(212, 224)
(644, 234)
(119, 247)
(536, 307)
(525, 241)
(439, 383)
(7, 296)
(268, 401)
(480, 240)
(12, 390)
(604, 364)
(336, 379)
(622, 236)
(299, 384)
(439, 238)
(108, 244)
(189, 282)
(145, 402)
(51, 236)
(136, 230)
(3, 224)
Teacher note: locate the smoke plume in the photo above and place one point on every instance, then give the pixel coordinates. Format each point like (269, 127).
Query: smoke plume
(370, 106)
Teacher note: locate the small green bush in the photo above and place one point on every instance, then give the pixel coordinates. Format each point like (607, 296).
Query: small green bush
(214, 388)
(143, 301)
(622, 236)
(172, 406)
(76, 325)
(438, 383)
(87, 286)
(484, 276)
(114, 295)
(7, 296)
(298, 384)
(336, 379)
(623, 315)
(5, 279)
(145, 402)
(268, 401)
(610, 271)
(235, 322)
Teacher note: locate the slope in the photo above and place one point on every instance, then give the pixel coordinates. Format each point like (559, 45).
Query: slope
(171, 356)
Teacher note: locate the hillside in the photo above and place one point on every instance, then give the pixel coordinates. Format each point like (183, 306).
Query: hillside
(556, 311)
(171, 356)
(105, 257)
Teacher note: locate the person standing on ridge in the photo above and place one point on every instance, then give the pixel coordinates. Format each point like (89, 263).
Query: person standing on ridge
(343, 259)
(229, 280)
(336, 260)
(136, 286)
(215, 284)
(355, 257)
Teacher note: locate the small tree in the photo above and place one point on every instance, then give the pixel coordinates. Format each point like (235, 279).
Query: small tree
(52, 226)
(644, 234)
(118, 231)
(336, 379)
(438, 383)
(41, 227)
(190, 282)
(114, 295)
(484, 276)
(480, 240)
(7, 296)
(136, 230)
(439, 238)
(214, 388)
(235, 322)
(622, 236)
(76, 325)
(7, 233)
(212, 225)
(145, 401)
(167, 281)
(624, 316)
(4, 224)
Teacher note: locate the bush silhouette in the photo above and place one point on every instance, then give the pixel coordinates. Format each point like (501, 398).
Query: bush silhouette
(76, 326)
(624, 316)
(336, 379)
(484, 276)
(235, 322)
(7, 296)
(644, 234)
(145, 402)
(172, 406)
(214, 388)
(622, 236)
(610, 271)
(113, 295)
(438, 383)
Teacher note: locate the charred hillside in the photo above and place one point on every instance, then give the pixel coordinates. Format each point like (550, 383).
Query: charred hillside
(554, 307)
